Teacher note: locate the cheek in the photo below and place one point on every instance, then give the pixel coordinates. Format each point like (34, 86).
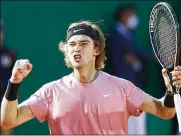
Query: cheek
(69, 51)
(88, 55)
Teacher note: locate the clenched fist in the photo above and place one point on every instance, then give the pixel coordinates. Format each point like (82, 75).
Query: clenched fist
(20, 70)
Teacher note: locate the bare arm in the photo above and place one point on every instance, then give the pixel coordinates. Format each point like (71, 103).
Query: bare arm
(156, 107)
(13, 115)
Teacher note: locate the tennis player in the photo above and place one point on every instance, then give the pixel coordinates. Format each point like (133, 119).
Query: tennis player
(88, 100)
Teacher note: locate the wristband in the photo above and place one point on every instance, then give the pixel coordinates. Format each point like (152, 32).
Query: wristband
(12, 91)
(169, 100)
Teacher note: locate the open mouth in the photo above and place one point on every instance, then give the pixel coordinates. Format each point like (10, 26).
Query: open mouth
(77, 58)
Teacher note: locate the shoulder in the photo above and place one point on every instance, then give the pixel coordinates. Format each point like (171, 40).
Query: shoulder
(122, 84)
(59, 82)
(116, 80)
(50, 89)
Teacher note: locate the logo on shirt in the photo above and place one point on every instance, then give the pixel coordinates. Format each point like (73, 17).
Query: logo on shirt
(106, 95)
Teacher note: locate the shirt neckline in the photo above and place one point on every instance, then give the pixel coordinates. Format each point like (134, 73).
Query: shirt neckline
(85, 84)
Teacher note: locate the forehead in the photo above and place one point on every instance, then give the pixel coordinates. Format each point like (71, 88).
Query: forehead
(77, 38)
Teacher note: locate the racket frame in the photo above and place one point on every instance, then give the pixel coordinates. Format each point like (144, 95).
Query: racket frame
(151, 31)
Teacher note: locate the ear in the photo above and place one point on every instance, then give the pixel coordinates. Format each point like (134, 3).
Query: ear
(96, 51)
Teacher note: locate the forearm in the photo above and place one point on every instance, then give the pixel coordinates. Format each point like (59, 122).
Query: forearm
(161, 110)
(165, 106)
(9, 107)
(166, 112)
(168, 103)
(157, 107)
(9, 113)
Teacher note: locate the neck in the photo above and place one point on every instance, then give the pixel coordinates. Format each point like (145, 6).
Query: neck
(85, 75)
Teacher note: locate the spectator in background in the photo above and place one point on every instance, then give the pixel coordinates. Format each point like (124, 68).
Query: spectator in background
(7, 60)
(126, 60)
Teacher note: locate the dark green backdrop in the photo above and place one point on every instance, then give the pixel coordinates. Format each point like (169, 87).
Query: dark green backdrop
(34, 29)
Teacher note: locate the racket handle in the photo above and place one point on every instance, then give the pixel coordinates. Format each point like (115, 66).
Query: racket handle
(177, 101)
(170, 77)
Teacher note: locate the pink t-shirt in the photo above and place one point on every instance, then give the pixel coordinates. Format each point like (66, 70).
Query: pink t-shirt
(100, 107)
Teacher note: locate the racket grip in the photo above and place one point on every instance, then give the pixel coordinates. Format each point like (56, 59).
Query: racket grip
(169, 75)
(173, 88)
(177, 100)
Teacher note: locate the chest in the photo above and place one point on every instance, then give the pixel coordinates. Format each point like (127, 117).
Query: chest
(88, 101)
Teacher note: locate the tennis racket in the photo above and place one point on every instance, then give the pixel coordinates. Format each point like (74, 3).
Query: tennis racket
(165, 40)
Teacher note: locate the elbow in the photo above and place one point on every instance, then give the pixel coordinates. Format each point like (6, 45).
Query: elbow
(4, 126)
(169, 115)
(7, 125)
(166, 117)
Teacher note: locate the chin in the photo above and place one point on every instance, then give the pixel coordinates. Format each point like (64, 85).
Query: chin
(77, 66)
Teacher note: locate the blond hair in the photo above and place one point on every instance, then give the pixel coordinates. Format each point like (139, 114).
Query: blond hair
(100, 43)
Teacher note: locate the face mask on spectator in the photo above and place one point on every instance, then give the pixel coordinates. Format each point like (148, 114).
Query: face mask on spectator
(132, 22)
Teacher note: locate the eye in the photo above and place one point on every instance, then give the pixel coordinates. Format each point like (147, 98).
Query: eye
(84, 43)
(71, 44)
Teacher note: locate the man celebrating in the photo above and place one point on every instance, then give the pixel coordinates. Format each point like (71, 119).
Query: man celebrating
(87, 101)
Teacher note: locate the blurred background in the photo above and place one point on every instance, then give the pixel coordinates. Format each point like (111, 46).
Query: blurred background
(33, 29)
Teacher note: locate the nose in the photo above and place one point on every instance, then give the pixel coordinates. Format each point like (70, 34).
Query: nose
(77, 48)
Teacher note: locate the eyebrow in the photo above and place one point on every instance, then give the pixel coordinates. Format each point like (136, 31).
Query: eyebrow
(80, 41)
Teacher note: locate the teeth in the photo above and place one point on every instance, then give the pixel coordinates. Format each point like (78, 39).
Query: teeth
(77, 57)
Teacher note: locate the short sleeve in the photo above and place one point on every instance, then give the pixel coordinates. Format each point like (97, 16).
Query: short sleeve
(39, 103)
(135, 97)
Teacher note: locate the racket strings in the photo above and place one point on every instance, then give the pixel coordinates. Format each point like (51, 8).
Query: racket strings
(165, 38)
